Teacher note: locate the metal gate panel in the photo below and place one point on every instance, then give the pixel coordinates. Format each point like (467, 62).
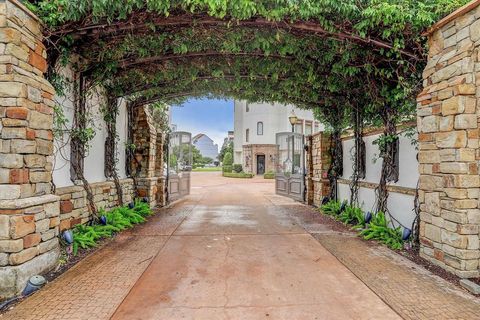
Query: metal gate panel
(290, 165)
(179, 165)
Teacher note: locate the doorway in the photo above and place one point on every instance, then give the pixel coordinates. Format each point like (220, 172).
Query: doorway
(261, 164)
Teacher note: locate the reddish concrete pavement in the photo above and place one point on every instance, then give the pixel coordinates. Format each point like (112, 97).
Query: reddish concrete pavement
(239, 256)
(228, 251)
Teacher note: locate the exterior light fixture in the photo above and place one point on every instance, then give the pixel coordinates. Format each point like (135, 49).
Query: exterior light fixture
(293, 120)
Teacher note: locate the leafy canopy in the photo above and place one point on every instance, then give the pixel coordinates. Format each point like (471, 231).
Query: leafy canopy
(333, 56)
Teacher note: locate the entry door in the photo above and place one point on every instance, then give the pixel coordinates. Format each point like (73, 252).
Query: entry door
(179, 165)
(260, 164)
(290, 165)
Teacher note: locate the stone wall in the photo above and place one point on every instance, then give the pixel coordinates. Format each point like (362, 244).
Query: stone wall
(29, 213)
(147, 162)
(448, 111)
(250, 153)
(318, 162)
(74, 203)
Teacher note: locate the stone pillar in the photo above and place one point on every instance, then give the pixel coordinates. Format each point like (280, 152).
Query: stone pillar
(448, 112)
(145, 155)
(321, 159)
(29, 213)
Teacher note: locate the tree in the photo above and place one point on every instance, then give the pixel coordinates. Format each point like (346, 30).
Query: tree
(228, 159)
(227, 147)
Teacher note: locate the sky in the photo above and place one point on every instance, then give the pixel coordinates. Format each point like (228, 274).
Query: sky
(211, 117)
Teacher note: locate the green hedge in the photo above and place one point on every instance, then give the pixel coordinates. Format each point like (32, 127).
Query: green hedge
(227, 168)
(237, 168)
(269, 175)
(237, 175)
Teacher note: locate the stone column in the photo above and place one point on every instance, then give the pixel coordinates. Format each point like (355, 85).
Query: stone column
(321, 160)
(448, 111)
(29, 213)
(145, 154)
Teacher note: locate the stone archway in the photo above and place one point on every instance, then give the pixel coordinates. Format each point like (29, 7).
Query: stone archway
(447, 121)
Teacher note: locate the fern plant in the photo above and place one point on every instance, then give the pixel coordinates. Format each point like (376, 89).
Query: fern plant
(332, 208)
(118, 219)
(379, 230)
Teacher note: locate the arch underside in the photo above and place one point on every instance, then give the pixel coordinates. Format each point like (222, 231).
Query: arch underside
(148, 57)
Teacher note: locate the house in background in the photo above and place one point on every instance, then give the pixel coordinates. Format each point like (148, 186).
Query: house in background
(255, 129)
(206, 146)
(228, 139)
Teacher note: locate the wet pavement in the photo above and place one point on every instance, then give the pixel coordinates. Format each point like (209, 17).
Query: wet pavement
(230, 250)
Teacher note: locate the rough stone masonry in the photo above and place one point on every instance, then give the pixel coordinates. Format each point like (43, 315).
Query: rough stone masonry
(448, 112)
(29, 213)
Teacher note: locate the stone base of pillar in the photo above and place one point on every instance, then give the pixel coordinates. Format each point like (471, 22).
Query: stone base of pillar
(29, 242)
(153, 189)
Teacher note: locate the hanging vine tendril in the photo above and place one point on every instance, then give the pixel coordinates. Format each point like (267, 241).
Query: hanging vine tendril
(388, 146)
(358, 164)
(79, 140)
(336, 166)
(110, 114)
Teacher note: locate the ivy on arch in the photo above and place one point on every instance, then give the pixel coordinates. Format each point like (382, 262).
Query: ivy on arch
(344, 59)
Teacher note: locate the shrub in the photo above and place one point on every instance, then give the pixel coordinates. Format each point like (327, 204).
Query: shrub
(237, 168)
(237, 175)
(269, 175)
(228, 159)
(227, 168)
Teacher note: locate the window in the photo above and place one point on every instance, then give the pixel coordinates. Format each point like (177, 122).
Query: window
(316, 127)
(260, 128)
(299, 127)
(247, 107)
(308, 128)
(247, 135)
(394, 153)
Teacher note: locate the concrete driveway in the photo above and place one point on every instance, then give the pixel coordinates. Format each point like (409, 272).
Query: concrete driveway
(227, 251)
(239, 256)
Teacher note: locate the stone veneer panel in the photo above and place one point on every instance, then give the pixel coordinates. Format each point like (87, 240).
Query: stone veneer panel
(29, 213)
(74, 204)
(318, 163)
(250, 153)
(448, 116)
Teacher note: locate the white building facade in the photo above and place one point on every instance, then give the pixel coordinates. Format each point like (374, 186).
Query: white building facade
(255, 129)
(206, 146)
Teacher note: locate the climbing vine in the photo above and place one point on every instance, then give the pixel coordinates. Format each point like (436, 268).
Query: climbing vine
(344, 59)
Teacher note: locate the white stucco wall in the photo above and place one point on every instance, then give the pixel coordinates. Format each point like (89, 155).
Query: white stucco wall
(122, 130)
(61, 167)
(400, 205)
(95, 159)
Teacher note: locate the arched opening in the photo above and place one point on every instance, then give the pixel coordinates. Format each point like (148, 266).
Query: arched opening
(115, 64)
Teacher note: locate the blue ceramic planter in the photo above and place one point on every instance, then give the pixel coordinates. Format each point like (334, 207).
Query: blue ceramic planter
(131, 205)
(103, 220)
